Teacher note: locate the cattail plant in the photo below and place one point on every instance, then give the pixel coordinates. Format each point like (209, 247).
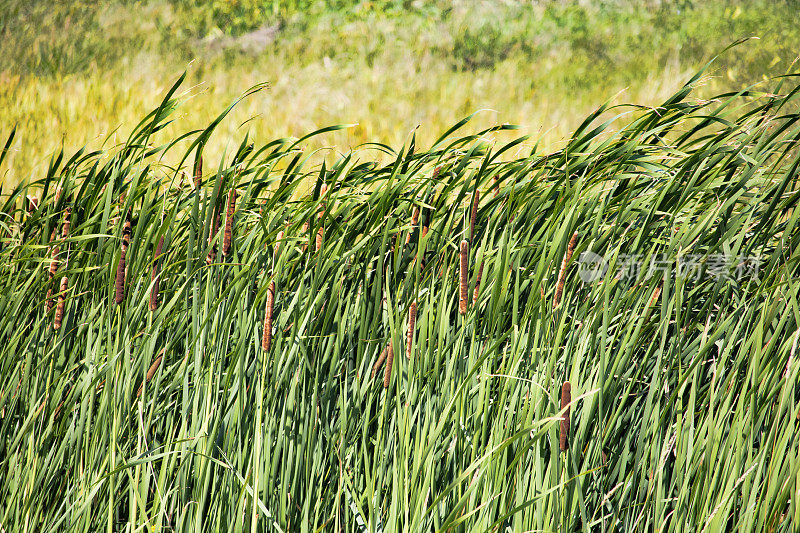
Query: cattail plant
(212, 254)
(473, 217)
(381, 359)
(414, 221)
(477, 290)
(387, 373)
(562, 273)
(304, 231)
(154, 277)
(228, 233)
(563, 434)
(60, 306)
(278, 240)
(496, 188)
(266, 336)
(464, 276)
(119, 281)
(412, 320)
(151, 372)
(320, 215)
(198, 172)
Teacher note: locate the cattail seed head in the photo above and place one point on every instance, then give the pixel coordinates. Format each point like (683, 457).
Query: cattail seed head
(387, 373)
(212, 254)
(266, 337)
(412, 320)
(151, 372)
(60, 307)
(414, 221)
(278, 240)
(464, 276)
(154, 277)
(119, 281)
(563, 434)
(320, 233)
(562, 273)
(474, 214)
(477, 290)
(304, 231)
(496, 188)
(228, 234)
(65, 225)
(198, 172)
(381, 359)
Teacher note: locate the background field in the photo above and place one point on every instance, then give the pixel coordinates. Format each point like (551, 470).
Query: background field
(76, 72)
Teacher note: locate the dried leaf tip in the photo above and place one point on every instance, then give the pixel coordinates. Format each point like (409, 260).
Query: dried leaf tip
(563, 434)
(266, 336)
(464, 276)
(32, 204)
(562, 272)
(228, 234)
(412, 320)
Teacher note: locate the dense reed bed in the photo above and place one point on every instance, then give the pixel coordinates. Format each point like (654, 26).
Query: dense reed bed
(262, 388)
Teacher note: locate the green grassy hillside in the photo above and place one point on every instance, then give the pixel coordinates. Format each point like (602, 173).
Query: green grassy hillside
(82, 73)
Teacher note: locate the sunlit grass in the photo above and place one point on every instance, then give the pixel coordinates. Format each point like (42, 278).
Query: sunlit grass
(166, 412)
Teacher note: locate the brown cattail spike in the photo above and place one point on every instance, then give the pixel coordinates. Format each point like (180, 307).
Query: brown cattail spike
(562, 273)
(496, 188)
(412, 320)
(278, 241)
(154, 277)
(198, 172)
(266, 337)
(474, 215)
(119, 281)
(60, 307)
(212, 254)
(387, 373)
(381, 359)
(228, 234)
(563, 434)
(464, 277)
(151, 372)
(414, 221)
(477, 290)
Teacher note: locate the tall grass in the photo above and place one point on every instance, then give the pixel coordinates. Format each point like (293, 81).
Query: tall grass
(682, 400)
